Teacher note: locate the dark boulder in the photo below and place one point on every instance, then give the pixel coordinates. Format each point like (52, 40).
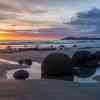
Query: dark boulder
(83, 64)
(57, 66)
(20, 62)
(21, 75)
(28, 62)
(96, 56)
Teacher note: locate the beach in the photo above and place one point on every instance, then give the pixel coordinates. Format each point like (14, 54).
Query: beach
(37, 56)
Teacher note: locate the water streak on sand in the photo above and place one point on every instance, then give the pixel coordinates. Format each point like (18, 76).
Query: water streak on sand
(8, 61)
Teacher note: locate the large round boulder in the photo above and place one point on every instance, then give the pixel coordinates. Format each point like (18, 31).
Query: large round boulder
(21, 75)
(57, 66)
(83, 64)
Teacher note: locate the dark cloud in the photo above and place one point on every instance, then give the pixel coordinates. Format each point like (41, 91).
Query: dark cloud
(87, 22)
(94, 13)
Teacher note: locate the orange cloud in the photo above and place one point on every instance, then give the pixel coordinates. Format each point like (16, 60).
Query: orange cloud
(23, 37)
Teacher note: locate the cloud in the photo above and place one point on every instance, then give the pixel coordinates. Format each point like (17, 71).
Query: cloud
(13, 9)
(86, 22)
(5, 7)
(94, 13)
(5, 17)
(33, 6)
(36, 13)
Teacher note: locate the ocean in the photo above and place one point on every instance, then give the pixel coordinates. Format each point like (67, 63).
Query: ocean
(66, 43)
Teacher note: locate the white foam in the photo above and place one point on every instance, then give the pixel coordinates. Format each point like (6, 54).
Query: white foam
(34, 71)
(8, 61)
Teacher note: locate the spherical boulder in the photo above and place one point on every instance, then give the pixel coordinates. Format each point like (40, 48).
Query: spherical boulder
(20, 62)
(57, 66)
(84, 64)
(21, 75)
(80, 57)
(28, 62)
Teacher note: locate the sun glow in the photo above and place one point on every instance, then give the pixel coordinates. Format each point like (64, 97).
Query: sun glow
(25, 37)
(3, 32)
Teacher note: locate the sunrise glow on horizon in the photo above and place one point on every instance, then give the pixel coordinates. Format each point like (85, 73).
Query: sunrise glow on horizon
(27, 37)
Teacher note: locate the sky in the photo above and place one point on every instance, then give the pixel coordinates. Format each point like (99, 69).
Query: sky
(51, 15)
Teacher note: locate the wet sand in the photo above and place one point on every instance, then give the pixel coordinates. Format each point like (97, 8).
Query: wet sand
(34, 55)
(38, 56)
